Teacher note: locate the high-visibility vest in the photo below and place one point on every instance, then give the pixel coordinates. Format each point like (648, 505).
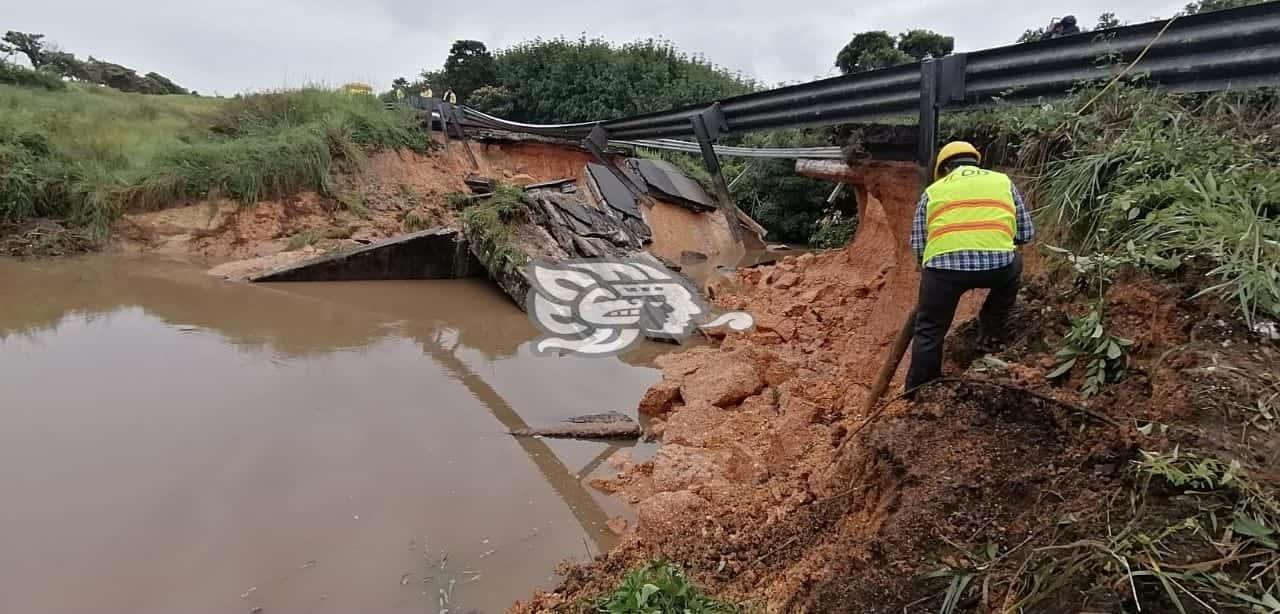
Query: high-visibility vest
(970, 209)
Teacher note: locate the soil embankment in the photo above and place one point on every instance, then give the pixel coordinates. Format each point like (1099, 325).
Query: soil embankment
(752, 492)
(393, 193)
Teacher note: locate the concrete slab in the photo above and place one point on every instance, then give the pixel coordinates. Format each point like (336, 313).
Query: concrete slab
(438, 253)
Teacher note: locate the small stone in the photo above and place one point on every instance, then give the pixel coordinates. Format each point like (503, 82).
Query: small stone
(659, 398)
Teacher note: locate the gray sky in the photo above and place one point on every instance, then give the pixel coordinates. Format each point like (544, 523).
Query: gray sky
(229, 46)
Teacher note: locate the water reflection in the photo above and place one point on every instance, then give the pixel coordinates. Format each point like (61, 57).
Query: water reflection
(91, 365)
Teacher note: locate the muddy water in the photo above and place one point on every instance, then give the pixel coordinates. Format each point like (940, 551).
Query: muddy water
(173, 443)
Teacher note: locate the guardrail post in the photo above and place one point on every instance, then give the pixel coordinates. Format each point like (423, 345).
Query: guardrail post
(927, 136)
(942, 81)
(707, 126)
(455, 118)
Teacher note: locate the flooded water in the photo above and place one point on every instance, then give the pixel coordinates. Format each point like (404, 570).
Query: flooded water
(173, 443)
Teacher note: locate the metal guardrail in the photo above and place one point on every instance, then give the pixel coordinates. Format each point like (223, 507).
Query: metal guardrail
(1221, 50)
(1230, 49)
(791, 153)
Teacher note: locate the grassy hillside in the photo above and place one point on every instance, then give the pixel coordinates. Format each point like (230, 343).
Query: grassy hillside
(86, 154)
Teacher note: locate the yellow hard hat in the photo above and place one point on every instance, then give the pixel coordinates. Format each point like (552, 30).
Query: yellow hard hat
(951, 150)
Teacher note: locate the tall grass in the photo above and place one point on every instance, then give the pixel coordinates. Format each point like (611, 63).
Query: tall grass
(88, 154)
(1191, 178)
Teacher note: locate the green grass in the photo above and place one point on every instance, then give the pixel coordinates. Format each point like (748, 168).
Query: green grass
(1185, 178)
(661, 588)
(487, 219)
(13, 74)
(88, 154)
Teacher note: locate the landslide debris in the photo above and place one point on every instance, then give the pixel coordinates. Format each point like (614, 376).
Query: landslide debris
(978, 496)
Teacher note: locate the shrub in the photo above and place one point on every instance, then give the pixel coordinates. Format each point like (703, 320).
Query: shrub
(13, 74)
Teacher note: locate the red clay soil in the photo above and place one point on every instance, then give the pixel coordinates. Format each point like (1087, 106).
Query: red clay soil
(396, 192)
(753, 494)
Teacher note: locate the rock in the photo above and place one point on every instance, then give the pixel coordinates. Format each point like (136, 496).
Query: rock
(692, 423)
(721, 385)
(609, 425)
(787, 280)
(659, 398)
(667, 513)
(687, 257)
(677, 467)
(617, 524)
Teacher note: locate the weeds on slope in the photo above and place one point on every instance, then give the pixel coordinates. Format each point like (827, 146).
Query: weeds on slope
(1188, 178)
(1214, 550)
(486, 220)
(88, 154)
(660, 587)
(1233, 527)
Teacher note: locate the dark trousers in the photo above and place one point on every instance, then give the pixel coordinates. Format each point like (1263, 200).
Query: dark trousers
(940, 292)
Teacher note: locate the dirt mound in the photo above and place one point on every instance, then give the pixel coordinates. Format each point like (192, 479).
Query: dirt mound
(979, 478)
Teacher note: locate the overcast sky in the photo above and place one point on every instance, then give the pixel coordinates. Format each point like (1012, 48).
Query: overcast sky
(229, 46)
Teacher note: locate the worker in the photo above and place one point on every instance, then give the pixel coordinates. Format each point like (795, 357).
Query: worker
(1062, 27)
(450, 97)
(967, 229)
(427, 93)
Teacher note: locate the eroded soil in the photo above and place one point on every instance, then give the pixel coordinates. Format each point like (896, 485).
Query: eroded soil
(395, 192)
(754, 493)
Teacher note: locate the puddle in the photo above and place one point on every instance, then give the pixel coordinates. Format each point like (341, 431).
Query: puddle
(173, 443)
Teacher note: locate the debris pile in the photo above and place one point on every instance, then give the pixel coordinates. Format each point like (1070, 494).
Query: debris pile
(983, 481)
(628, 208)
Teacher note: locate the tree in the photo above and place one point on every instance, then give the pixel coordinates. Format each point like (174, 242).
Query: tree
(469, 67)
(165, 84)
(561, 80)
(1031, 35)
(30, 45)
(875, 42)
(1106, 21)
(877, 49)
(64, 64)
(400, 84)
(493, 99)
(434, 79)
(921, 44)
(1205, 6)
(885, 57)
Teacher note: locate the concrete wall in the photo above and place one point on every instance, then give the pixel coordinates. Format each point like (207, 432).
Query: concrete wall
(439, 253)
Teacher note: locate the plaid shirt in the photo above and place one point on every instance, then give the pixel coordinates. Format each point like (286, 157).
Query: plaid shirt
(970, 260)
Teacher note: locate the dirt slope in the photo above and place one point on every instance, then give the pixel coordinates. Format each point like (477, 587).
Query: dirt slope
(751, 493)
(396, 192)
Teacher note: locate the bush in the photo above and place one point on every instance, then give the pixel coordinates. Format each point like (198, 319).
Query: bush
(13, 74)
(834, 230)
(26, 160)
(1190, 178)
